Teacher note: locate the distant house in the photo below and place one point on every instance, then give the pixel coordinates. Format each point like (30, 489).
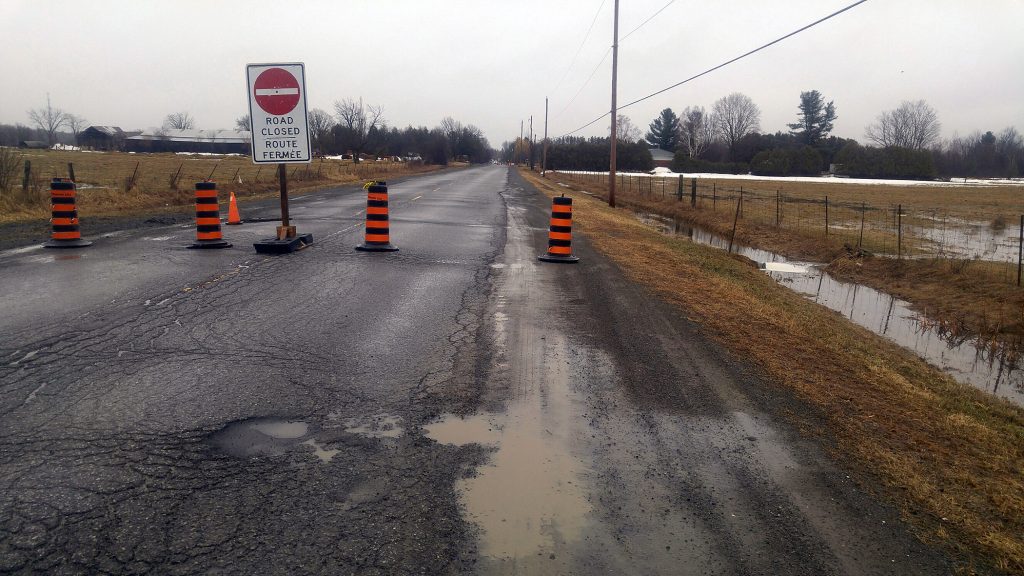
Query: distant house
(662, 158)
(196, 141)
(101, 138)
(33, 144)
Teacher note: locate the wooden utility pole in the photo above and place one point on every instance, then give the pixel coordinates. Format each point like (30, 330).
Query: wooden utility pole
(544, 153)
(615, 72)
(530, 163)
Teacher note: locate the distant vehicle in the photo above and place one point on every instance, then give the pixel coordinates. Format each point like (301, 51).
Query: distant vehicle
(660, 170)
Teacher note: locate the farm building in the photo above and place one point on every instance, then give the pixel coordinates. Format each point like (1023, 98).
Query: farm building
(101, 138)
(662, 158)
(33, 144)
(200, 141)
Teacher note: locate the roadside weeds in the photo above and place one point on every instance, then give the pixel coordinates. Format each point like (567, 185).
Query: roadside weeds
(949, 456)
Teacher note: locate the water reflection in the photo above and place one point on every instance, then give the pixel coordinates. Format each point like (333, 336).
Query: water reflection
(986, 365)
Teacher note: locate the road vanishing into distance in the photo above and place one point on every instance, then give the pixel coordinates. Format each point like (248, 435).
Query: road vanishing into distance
(455, 407)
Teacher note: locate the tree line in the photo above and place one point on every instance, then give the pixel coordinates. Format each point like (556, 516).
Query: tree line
(354, 128)
(901, 143)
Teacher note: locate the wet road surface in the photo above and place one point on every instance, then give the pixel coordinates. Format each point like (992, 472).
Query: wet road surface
(454, 407)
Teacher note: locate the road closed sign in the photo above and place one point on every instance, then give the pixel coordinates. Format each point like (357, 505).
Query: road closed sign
(277, 110)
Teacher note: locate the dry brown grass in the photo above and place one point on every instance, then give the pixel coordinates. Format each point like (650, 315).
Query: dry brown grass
(102, 179)
(950, 456)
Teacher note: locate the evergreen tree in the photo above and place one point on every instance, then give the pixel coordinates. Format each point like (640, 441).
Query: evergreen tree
(664, 131)
(816, 118)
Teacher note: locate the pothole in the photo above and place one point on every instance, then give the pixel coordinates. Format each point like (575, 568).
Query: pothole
(260, 436)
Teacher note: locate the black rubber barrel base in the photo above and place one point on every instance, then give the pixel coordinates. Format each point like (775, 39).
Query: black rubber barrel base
(377, 248)
(79, 243)
(204, 244)
(275, 246)
(558, 259)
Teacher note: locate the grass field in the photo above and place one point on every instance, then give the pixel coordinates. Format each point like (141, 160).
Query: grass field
(119, 183)
(949, 456)
(981, 297)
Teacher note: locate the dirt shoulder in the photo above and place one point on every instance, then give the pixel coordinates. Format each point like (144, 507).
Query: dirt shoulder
(949, 456)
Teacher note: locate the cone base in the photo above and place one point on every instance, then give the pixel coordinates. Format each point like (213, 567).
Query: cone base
(377, 248)
(234, 223)
(287, 246)
(79, 243)
(558, 259)
(204, 244)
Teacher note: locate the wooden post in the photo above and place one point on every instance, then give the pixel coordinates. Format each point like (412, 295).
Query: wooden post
(899, 231)
(282, 177)
(131, 181)
(778, 208)
(71, 171)
(826, 215)
(693, 192)
(257, 178)
(741, 202)
(174, 179)
(863, 210)
(679, 189)
(1020, 248)
(735, 220)
(27, 177)
(714, 196)
(210, 177)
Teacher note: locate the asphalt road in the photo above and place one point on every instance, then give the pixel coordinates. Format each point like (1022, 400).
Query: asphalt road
(454, 407)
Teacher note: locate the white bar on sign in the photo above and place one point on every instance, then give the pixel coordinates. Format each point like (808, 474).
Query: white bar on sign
(276, 91)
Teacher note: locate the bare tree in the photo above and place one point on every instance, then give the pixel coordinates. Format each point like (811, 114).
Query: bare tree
(244, 123)
(734, 117)
(76, 123)
(179, 121)
(695, 131)
(320, 124)
(625, 130)
(452, 130)
(48, 120)
(913, 125)
(358, 122)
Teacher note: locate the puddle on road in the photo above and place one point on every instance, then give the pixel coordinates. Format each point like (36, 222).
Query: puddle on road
(268, 437)
(968, 360)
(282, 430)
(320, 452)
(459, 430)
(527, 499)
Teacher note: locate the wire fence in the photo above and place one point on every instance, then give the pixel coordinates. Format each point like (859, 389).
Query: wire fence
(890, 230)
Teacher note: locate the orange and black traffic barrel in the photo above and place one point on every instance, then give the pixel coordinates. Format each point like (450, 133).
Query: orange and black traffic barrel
(64, 216)
(378, 234)
(560, 232)
(208, 234)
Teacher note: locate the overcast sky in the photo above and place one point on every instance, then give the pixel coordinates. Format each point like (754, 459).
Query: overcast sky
(491, 63)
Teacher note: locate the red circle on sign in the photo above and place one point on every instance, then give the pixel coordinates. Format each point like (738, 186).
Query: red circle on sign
(276, 91)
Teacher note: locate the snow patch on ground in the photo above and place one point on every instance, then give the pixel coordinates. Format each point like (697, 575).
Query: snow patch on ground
(866, 181)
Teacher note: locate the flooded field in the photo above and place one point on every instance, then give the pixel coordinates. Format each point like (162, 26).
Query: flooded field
(968, 360)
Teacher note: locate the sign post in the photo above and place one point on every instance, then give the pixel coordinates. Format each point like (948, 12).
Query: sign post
(280, 135)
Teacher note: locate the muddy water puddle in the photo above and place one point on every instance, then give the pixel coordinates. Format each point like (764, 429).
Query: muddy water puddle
(968, 360)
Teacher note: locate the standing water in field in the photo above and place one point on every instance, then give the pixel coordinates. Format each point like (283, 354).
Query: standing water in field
(967, 359)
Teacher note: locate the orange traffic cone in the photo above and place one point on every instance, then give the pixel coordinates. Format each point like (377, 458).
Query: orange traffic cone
(233, 217)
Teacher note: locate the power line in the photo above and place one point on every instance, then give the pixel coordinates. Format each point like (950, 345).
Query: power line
(662, 9)
(575, 56)
(607, 52)
(589, 78)
(722, 65)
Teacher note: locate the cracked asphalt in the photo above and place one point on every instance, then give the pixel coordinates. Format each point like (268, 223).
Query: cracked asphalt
(454, 407)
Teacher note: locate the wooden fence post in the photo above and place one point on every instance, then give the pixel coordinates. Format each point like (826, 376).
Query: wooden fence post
(1020, 248)
(693, 192)
(899, 231)
(27, 177)
(863, 210)
(826, 215)
(736, 218)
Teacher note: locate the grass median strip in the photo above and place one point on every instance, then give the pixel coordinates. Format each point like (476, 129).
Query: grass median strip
(950, 456)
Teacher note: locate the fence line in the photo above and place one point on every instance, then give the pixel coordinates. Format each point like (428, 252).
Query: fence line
(890, 230)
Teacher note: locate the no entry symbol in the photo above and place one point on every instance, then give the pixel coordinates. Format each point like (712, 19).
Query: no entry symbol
(276, 91)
